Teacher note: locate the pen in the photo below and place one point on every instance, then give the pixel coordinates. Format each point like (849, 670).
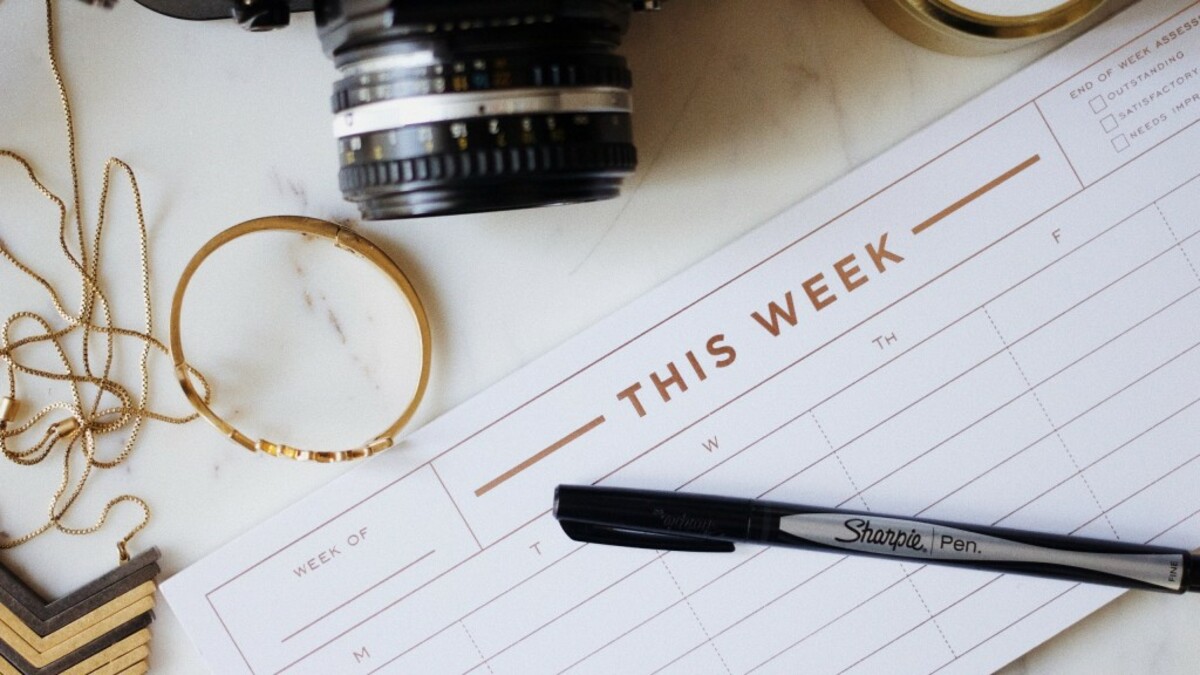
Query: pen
(677, 521)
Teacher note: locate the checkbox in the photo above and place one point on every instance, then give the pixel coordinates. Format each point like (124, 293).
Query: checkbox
(1120, 143)
(1109, 123)
(1098, 104)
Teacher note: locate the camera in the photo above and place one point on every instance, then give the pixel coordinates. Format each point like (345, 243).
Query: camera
(461, 106)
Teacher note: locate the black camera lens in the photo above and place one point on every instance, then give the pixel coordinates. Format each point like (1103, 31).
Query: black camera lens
(478, 105)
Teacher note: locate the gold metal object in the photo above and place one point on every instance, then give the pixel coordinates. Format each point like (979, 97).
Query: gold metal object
(9, 409)
(110, 407)
(101, 627)
(964, 28)
(65, 429)
(343, 239)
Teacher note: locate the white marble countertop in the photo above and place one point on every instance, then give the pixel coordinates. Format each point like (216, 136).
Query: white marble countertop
(742, 110)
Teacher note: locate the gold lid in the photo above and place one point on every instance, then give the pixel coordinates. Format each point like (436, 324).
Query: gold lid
(974, 27)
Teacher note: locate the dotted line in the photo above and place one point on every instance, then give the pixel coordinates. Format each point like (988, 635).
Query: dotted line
(1050, 421)
(838, 457)
(938, 626)
(477, 649)
(907, 575)
(696, 616)
(1177, 242)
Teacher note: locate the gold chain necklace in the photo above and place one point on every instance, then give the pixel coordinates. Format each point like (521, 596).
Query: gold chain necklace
(84, 420)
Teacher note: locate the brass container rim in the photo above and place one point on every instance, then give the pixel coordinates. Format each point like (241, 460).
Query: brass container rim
(981, 24)
(952, 27)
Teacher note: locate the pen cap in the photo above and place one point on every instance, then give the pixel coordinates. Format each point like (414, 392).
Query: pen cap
(651, 511)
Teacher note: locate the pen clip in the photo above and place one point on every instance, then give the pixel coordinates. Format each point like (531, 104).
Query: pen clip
(605, 534)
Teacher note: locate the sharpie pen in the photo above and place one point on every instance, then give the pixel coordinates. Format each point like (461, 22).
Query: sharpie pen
(676, 521)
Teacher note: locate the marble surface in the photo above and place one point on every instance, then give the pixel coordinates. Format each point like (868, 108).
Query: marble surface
(742, 110)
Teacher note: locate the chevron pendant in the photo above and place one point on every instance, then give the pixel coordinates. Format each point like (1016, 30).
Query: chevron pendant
(102, 628)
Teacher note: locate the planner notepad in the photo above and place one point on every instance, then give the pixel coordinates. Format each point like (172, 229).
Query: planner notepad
(995, 322)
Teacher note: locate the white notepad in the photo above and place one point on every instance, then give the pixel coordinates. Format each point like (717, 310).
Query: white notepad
(995, 322)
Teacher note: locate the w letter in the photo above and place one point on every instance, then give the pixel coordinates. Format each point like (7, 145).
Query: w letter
(776, 313)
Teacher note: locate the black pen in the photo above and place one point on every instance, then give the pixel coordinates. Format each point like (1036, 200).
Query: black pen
(678, 521)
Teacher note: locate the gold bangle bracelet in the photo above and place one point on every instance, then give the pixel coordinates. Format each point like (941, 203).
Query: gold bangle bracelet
(343, 239)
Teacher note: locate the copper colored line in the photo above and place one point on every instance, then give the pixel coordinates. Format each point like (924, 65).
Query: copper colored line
(1105, 456)
(1018, 620)
(1061, 426)
(834, 620)
(554, 447)
(456, 507)
(381, 582)
(1057, 142)
(1139, 491)
(666, 609)
(991, 185)
(913, 629)
(1179, 522)
(742, 274)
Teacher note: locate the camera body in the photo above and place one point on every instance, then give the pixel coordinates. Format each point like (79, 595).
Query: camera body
(460, 106)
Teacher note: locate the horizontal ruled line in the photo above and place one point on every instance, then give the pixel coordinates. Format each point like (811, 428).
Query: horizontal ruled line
(356, 597)
(988, 187)
(549, 450)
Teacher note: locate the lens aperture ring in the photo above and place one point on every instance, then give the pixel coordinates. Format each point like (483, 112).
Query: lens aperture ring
(497, 133)
(481, 74)
(418, 110)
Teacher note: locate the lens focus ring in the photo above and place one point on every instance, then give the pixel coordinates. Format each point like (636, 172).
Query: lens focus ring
(495, 163)
(489, 154)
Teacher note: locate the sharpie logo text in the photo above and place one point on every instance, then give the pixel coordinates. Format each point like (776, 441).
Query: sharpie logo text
(682, 522)
(860, 530)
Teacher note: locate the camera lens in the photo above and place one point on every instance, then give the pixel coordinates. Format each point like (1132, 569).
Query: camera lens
(478, 105)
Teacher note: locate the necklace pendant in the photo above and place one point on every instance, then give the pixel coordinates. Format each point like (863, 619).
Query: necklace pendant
(104, 624)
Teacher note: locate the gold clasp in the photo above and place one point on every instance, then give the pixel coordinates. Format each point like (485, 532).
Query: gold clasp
(65, 428)
(9, 409)
(352, 241)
